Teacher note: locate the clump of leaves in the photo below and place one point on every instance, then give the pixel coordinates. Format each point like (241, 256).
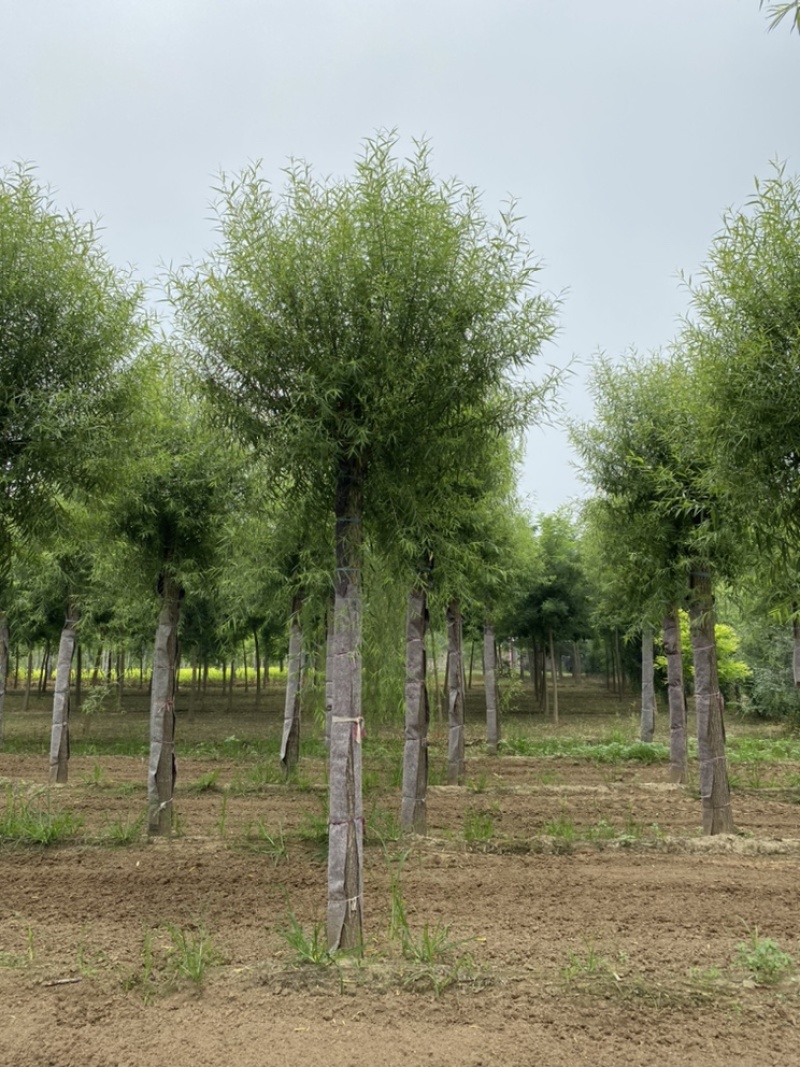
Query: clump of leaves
(763, 959)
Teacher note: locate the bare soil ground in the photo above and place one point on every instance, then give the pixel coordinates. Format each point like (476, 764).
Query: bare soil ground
(587, 919)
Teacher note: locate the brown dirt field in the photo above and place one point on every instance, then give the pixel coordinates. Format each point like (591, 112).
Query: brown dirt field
(600, 927)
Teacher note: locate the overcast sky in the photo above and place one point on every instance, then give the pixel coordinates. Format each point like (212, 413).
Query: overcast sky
(624, 128)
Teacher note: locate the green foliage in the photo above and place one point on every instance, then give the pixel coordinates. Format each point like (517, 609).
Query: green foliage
(733, 672)
(308, 947)
(763, 959)
(478, 827)
(70, 324)
(259, 838)
(124, 832)
(33, 821)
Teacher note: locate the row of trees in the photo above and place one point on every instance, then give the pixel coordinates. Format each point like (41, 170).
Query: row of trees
(341, 394)
(353, 356)
(695, 460)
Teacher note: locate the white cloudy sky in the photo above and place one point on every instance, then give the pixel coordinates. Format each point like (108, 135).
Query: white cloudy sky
(624, 127)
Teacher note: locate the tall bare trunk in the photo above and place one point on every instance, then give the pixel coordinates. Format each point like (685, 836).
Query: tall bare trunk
(290, 742)
(455, 696)
(490, 685)
(413, 806)
(161, 769)
(257, 667)
(714, 788)
(78, 677)
(59, 735)
(648, 723)
(3, 667)
(678, 756)
(329, 662)
(26, 703)
(796, 643)
(554, 673)
(577, 667)
(345, 809)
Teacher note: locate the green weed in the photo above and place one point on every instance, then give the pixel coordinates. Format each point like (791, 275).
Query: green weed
(124, 831)
(206, 783)
(191, 954)
(308, 948)
(763, 959)
(478, 827)
(257, 838)
(33, 822)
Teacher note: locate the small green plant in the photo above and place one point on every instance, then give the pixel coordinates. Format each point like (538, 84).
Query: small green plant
(124, 832)
(206, 783)
(479, 784)
(705, 978)
(478, 827)
(10, 959)
(33, 822)
(763, 959)
(314, 829)
(563, 828)
(308, 947)
(587, 964)
(96, 779)
(382, 826)
(258, 838)
(191, 954)
(222, 819)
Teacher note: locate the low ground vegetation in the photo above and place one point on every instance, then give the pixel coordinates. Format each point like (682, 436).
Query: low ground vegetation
(565, 889)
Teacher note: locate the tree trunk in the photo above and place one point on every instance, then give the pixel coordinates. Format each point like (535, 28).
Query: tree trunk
(3, 666)
(554, 674)
(619, 664)
(44, 669)
(120, 679)
(438, 696)
(26, 703)
(455, 696)
(329, 662)
(577, 668)
(257, 654)
(648, 722)
(714, 788)
(678, 757)
(345, 808)
(78, 677)
(796, 642)
(290, 742)
(59, 735)
(413, 806)
(232, 684)
(161, 769)
(490, 687)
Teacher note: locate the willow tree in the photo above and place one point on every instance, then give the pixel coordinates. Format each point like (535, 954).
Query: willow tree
(647, 457)
(181, 483)
(68, 322)
(745, 339)
(347, 327)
